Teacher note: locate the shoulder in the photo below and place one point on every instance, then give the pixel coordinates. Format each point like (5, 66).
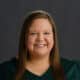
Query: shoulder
(66, 63)
(71, 68)
(8, 64)
(7, 68)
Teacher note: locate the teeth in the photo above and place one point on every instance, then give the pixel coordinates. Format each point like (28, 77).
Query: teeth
(40, 45)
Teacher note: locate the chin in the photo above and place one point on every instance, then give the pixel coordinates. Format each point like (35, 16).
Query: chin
(41, 53)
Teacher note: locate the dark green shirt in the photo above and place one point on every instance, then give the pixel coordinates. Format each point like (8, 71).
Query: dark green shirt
(71, 70)
(46, 76)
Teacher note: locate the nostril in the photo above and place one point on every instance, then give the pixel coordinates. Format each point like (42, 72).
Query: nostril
(40, 37)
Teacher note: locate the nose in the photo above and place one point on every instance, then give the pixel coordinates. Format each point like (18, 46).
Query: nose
(40, 37)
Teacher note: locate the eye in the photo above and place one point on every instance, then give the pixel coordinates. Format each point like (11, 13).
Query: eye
(47, 33)
(33, 33)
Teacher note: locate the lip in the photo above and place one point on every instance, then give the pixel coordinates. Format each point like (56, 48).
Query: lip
(40, 45)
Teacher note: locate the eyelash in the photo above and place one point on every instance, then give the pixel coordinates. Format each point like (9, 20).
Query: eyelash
(47, 33)
(33, 33)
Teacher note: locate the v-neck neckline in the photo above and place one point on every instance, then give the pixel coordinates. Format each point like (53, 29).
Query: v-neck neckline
(33, 75)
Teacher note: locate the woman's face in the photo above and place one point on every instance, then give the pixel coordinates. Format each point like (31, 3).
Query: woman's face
(40, 38)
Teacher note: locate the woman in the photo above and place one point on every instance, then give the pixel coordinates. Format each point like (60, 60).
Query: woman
(38, 57)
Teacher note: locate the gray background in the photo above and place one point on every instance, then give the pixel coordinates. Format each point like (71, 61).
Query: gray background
(65, 12)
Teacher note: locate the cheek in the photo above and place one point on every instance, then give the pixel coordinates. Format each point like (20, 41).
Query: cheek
(50, 41)
(29, 43)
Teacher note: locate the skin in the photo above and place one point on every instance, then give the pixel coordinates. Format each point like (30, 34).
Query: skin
(39, 44)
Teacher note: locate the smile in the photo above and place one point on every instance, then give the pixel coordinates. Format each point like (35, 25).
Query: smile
(40, 45)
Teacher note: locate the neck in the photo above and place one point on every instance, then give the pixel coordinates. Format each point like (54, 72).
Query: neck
(38, 65)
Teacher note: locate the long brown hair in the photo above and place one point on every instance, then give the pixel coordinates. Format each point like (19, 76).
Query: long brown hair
(23, 54)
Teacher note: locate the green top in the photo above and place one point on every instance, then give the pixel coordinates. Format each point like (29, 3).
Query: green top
(71, 70)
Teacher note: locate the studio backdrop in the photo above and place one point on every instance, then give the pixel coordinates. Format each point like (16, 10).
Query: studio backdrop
(65, 12)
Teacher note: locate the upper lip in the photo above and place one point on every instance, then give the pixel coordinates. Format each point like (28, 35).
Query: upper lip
(39, 44)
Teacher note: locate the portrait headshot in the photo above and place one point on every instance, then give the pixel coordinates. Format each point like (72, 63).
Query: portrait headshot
(38, 55)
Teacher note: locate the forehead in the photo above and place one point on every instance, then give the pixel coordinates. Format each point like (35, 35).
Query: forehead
(40, 24)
